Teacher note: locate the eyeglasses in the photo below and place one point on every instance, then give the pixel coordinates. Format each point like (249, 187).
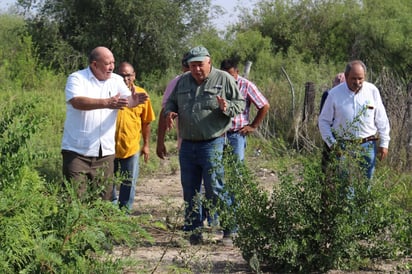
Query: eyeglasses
(127, 75)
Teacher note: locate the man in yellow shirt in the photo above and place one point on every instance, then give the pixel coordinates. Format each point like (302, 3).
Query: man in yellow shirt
(131, 125)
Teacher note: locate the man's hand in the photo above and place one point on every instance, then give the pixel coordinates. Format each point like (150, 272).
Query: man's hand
(137, 98)
(170, 120)
(246, 130)
(382, 153)
(115, 102)
(145, 153)
(161, 150)
(222, 103)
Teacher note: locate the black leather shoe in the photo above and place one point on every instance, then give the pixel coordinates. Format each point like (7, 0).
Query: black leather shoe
(196, 238)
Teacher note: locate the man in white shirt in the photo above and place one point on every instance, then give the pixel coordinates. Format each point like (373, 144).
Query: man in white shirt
(353, 111)
(93, 97)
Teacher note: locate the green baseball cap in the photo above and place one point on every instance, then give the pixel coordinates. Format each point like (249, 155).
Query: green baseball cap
(198, 54)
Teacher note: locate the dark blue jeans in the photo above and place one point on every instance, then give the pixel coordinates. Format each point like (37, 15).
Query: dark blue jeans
(200, 160)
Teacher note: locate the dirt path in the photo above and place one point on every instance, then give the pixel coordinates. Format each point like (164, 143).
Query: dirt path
(161, 200)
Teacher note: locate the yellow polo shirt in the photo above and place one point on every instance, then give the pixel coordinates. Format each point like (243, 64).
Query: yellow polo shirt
(129, 127)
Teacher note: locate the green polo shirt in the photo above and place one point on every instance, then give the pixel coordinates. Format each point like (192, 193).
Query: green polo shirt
(200, 117)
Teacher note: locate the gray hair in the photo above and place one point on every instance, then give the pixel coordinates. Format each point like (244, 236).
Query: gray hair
(351, 64)
(94, 55)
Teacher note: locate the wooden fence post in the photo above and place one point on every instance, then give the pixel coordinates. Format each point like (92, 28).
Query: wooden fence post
(246, 71)
(409, 128)
(309, 105)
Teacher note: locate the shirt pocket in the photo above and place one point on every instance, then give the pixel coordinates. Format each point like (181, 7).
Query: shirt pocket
(209, 98)
(369, 115)
(184, 98)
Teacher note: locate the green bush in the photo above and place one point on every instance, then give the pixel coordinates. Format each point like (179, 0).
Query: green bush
(44, 230)
(17, 124)
(308, 223)
(44, 227)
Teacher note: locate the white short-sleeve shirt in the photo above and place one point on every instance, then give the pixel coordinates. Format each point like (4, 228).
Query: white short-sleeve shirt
(86, 130)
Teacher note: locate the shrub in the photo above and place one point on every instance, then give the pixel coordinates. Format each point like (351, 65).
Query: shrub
(44, 227)
(308, 223)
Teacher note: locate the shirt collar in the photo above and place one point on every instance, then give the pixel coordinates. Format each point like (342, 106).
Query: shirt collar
(90, 75)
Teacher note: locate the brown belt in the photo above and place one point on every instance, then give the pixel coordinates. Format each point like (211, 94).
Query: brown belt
(369, 138)
(363, 140)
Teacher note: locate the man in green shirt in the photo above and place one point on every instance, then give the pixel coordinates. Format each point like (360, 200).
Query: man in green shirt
(205, 100)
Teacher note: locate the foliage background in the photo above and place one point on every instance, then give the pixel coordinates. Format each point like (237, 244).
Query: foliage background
(308, 41)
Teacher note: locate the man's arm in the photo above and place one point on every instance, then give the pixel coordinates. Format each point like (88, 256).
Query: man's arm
(163, 120)
(87, 103)
(260, 115)
(382, 124)
(235, 103)
(381, 121)
(146, 139)
(325, 120)
(161, 133)
(137, 98)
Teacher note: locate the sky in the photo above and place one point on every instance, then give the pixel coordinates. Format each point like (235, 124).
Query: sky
(220, 23)
(5, 3)
(231, 13)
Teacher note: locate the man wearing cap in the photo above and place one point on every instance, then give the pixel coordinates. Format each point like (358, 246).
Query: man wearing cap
(204, 100)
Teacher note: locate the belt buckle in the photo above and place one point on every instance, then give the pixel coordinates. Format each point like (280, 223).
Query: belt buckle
(369, 138)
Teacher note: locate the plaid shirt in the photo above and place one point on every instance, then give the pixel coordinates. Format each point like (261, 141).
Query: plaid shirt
(251, 94)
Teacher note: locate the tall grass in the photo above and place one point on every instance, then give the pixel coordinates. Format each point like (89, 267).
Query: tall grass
(43, 225)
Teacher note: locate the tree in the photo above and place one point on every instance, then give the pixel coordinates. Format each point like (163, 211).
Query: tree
(387, 41)
(149, 34)
(377, 32)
